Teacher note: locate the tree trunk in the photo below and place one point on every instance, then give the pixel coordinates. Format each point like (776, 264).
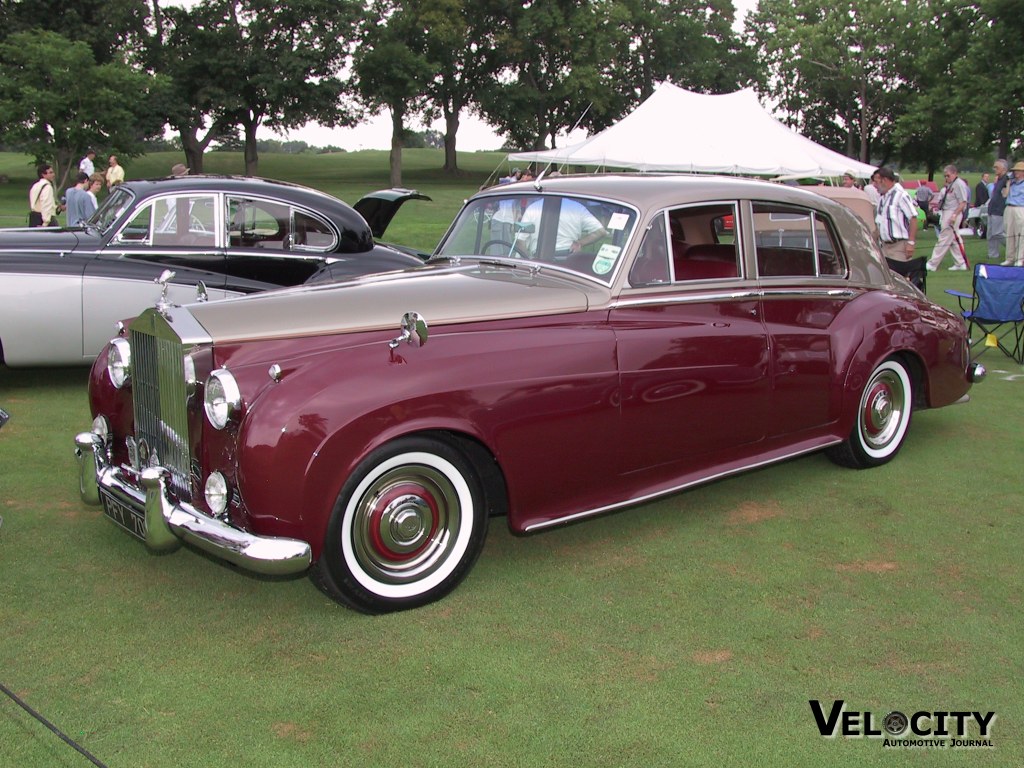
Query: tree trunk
(252, 158)
(193, 150)
(451, 128)
(397, 125)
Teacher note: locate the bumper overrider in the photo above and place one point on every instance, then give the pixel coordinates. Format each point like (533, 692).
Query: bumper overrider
(163, 524)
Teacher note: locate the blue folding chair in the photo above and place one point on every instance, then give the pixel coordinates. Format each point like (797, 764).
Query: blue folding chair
(996, 309)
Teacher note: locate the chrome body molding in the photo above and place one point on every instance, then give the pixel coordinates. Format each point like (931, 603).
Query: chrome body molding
(817, 446)
(744, 295)
(675, 298)
(168, 523)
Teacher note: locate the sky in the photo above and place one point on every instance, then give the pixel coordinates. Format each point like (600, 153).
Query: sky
(474, 135)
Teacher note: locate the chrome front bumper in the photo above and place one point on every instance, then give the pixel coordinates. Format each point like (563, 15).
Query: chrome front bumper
(166, 523)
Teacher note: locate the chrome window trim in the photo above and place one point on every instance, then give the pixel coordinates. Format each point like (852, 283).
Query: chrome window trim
(116, 242)
(626, 246)
(815, 216)
(292, 208)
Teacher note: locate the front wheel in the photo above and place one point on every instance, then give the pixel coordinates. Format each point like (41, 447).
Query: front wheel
(407, 527)
(883, 417)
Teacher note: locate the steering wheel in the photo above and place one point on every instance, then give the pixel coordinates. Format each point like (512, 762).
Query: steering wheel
(505, 244)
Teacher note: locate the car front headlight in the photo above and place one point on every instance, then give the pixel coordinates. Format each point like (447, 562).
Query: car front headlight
(222, 399)
(119, 362)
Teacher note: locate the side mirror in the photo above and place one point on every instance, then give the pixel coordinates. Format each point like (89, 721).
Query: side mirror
(414, 331)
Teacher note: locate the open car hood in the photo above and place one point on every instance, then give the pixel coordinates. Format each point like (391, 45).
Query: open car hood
(380, 207)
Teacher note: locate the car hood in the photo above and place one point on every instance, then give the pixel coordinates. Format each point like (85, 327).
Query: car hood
(47, 238)
(443, 295)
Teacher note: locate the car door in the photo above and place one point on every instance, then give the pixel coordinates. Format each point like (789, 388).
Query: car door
(180, 233)
(272, 243)
(692, 351)
(802, 271)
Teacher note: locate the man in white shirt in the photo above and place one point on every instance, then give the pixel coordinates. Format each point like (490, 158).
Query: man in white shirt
(896, 217)
(85, 165)
(952, 205)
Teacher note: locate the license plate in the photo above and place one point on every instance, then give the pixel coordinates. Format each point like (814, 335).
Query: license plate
(127, 517)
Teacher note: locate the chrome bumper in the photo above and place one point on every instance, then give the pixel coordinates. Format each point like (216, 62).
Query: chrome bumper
(168, 523)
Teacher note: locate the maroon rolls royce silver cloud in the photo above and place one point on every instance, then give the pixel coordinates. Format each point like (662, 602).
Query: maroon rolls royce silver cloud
(575, 345)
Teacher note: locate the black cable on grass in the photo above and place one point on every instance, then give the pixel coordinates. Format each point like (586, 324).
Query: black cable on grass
(50, 725)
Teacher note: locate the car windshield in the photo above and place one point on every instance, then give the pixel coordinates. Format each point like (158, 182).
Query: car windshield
(584, 235)
(110, 210)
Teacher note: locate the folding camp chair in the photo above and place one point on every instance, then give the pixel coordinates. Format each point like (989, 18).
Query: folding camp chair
(995, 311)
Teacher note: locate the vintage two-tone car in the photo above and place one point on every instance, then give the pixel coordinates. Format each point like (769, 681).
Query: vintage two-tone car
(575, 346)
(62, 290)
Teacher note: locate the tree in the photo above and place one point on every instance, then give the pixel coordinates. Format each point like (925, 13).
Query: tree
(390, 68)
(936, 125)
(992, 71)
(111, 28)
(192, 50)
(266, 63)
(833, 67)
(56, 102)
(548, 69)
(688, 42)
(456, 42)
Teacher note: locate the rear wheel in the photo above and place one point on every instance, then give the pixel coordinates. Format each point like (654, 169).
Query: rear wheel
(883, 417)
(407, 527)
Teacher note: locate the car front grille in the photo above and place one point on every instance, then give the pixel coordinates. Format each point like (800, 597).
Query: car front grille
(160, 400)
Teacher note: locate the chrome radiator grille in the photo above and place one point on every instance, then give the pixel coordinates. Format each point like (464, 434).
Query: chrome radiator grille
(160, 400)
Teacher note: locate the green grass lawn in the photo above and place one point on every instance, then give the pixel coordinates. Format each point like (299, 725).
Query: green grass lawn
(691, 631)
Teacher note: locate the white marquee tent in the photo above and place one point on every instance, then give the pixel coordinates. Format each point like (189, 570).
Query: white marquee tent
(679, 130)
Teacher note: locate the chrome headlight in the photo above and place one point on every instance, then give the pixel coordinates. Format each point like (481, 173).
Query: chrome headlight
(222, 400)
(119, 362)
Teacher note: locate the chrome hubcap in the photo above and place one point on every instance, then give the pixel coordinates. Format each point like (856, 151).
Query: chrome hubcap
(405, 524)
(882, 409)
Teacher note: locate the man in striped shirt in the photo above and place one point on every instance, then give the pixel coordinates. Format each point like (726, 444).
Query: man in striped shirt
(896, 217)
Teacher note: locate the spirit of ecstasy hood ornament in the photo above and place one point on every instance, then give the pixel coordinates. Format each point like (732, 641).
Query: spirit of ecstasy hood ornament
(162, 304)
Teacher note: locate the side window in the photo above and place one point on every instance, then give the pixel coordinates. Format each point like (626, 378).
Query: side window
(312, 233)
(183, 221)
(257, 224)
(703, 242)
(137, 230)
(795, 242)
(651, 265)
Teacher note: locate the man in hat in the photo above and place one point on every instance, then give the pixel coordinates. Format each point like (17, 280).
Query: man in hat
(1013, 217)
(179, 169)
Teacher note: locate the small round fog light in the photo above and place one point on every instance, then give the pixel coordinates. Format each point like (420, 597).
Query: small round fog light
(216, 493)
(101, 427)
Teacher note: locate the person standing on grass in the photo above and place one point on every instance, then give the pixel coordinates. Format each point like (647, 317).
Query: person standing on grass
(41, 200)
(896, 217)
(996, 229)
(115, 173)
(1014, 215)
(86, 165)
(952, 205)
(77, 200)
